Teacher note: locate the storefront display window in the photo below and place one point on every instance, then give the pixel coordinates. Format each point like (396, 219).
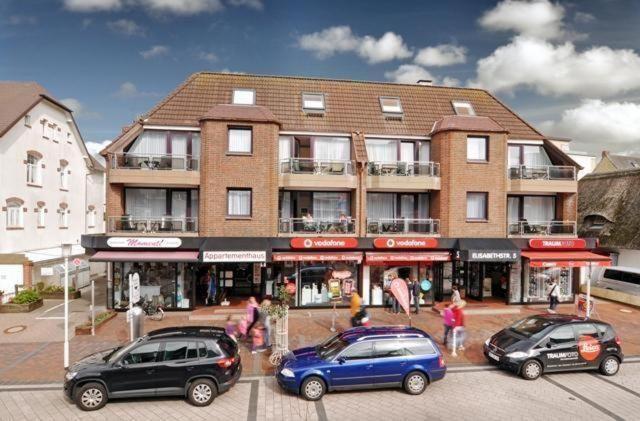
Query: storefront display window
(538, 279)
(382, 276)
(323, 283)
(515, 285)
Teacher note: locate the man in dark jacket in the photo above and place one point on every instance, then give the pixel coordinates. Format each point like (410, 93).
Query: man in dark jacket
(415, 291)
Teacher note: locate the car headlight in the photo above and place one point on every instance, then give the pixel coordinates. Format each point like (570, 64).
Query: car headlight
(486, 343)
(287, 372)
(70, 375)
(517, 354)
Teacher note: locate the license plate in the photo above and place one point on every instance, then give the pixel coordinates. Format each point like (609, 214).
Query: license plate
(494, 356)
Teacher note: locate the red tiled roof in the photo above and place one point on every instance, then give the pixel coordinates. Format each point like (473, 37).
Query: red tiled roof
(467, 123)
(229, 112)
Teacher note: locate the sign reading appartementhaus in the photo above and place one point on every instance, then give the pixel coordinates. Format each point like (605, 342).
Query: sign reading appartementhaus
(234, 256)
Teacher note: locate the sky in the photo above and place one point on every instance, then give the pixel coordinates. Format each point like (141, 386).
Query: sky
(571, 68)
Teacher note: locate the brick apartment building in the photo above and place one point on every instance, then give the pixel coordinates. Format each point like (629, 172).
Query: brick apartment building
(337, 186)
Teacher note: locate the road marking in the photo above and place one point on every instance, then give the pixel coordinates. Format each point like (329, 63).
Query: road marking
(30, 387)
(54, 307)
(50, 318)
(619, 386)
(584, 399)
(322, 413)
(252, 414)
(25, 357)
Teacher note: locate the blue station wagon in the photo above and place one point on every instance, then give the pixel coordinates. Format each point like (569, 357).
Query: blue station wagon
(364, 358)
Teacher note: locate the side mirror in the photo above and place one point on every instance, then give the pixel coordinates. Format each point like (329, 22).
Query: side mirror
(341, 360)
(549, 345)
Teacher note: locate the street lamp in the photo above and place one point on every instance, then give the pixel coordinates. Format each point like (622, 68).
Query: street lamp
(66, 252)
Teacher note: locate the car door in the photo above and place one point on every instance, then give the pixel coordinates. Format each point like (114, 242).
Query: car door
(559, 350)
(353, 367)
(590, 347)
(178, 360)
(134, 374)
(390, 362)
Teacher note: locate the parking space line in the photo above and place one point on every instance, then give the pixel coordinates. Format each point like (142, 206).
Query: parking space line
(322, 413)
(619, 386)
(584, 399)
(252, 413)
(54, 307)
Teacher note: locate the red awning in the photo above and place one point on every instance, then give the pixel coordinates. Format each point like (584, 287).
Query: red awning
(354, 256)
(565, 258)
(374, 258)
(145, 256)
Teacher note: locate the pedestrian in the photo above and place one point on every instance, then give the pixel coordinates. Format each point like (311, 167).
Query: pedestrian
(211, 288)
(455, 295)
(415, 289)
(553, 293)
(252, 313)
(458, 328)
(257, 338)
(447, 319)
(356, 303)
(231, 329)
(241, 328)
(265, 320)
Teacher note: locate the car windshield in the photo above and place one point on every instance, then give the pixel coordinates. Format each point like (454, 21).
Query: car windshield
(531, 327)
(108, 355)
(123, 350)
(330, 349)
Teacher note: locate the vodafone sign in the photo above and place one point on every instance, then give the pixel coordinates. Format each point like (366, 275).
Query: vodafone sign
(557, 243)
(324, 243)
(405, 243)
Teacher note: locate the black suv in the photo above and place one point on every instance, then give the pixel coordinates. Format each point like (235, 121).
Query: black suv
(555, 342)
(197, 362)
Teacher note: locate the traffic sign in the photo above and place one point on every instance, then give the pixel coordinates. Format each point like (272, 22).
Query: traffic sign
(134, 281)
(77, 261)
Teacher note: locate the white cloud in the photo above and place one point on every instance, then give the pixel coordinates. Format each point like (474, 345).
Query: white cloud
(182, 7)
(129, 90)
(79, 109)
(92, 5)
(441, 55)
(408, 73)
(155, 51)
(559, 69)
(17, 20)
(126, 27)
(582, 17)
(95, 147)
(341, 39)
(595, 123)
(539, 18)
(252, 4)
(450, 81)
(208, 56)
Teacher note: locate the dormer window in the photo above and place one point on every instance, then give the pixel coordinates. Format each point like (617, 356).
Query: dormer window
(244, 96)
(313, 102)
(390, 105)
(463, 108)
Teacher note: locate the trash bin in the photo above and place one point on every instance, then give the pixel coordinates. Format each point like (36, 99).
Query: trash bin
(137, 315)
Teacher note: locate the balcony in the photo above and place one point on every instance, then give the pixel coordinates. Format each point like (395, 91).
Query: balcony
(403, 226)
(160, 225)
(403, 176)
(543, 179)
(542, 229)
(159, 169)
(311, 173)
(304, 226)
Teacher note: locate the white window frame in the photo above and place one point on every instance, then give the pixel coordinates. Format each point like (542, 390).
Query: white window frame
(64, 177)
(485, 209)
(239, 96)
(15, 215)
(470, 150)
(395, 110)
(250, 204)
(63, 218)
(41, 217)
(241, 151)
(309, 104)
(34, 173)
(463, 104)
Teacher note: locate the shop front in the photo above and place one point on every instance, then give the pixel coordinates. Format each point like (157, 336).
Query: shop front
(236, 274)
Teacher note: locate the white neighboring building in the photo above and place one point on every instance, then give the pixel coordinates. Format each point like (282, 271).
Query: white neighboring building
(51, 189)
(586, 161)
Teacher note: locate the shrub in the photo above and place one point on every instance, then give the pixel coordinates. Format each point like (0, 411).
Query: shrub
(52, 289)
(26, 296)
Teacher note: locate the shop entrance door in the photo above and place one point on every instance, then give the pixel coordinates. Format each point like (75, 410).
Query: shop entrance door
(475, 276)
(237, 279)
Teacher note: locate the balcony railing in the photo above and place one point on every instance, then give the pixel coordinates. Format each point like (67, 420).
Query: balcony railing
(154, 161)
(403, 226)
(317, 226)
(545, 228)
(401, 168)
(316, 166)
(152, 225)
(542, 172)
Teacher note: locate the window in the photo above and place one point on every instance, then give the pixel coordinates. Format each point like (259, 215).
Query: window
(418, 347)
(68, 137)
(174, 351)
(561, 336)
(477, 206)
(359, 351)
(390, 105)
(586, 329)
(27, 120)
(313, 102)
(240, 140)
(388, 348)
(91, 218)
(244, 96)
(477, 149)
(33, 169)
(42, 213)
(57, 134)
(64, 177)
(147, 353)
(15, 214)
(238, 202)
(463, 108)
(63, 216)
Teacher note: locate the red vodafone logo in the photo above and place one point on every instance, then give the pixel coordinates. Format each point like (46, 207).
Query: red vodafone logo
(589, 348)
(405, 243)
(323, 243)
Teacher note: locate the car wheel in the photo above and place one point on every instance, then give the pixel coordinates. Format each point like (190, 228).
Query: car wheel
(313, 388)
(91, 396)
(202, 392)
(531, 370)
(415, 383)
(609, 366)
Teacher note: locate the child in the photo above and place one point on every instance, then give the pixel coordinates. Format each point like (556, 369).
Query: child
(257, 334)
(230, 329)
(447, 318)
(242, 327)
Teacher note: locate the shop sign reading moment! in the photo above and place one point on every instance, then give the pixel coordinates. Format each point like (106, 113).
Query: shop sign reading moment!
(151, 243)
(405, 243)
(558, 243)
(323, 243)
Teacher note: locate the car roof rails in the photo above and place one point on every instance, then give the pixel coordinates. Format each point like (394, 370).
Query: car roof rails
(392, 336)
(186, 330)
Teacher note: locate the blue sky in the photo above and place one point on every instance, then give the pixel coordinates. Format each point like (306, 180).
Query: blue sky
(570, 68)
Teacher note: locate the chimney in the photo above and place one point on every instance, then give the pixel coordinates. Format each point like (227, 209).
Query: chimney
(425, 82)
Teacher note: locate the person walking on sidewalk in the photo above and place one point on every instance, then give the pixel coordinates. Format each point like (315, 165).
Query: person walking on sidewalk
(415, 289)
(252, 314)
(553, 293)
(265, 320)
(458, 328)
(455, 295)
(447, 319)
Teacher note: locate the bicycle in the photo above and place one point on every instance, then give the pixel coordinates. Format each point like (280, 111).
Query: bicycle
(153, 312)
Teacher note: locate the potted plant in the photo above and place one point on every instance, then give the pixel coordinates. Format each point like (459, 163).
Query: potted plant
(23, 302)
(100, 320)
(280, 313)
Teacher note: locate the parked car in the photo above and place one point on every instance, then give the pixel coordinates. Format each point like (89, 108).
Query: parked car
(364, 358)
(195, 362)
(620, 278)
(554, 342)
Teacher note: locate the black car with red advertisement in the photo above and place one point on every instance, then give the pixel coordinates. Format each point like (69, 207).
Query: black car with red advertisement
(554, 342)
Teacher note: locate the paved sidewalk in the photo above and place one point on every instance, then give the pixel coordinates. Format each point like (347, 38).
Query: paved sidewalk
(31, 362)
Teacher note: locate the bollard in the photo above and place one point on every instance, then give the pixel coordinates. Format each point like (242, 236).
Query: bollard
(137, 321)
